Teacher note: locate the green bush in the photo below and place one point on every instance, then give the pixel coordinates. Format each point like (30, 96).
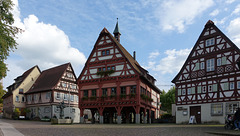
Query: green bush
(166, 116)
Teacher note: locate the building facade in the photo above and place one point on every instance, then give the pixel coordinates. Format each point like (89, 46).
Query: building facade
(14, 99)
(53, 86)
(208, 84)
(114, 86)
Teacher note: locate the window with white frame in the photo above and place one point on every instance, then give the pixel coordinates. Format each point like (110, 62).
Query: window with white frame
(29, 98)
(58, 95)
(183, 91)
(203, 89)
(202, 65)
(231, 85)
(219, 61)
(238, 85)
(77, 98)
(210, 65)
(210, 42)
(17, 98)
(189, 90)
(72, 98)
(209, 88)
(64, 84)
(23, 99)
(48, 95)
(231, 108)
(65, 96)
(217, 109)
(73, 86)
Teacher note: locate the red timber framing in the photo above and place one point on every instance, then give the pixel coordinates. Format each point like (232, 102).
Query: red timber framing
(211, 72)
(114, 86)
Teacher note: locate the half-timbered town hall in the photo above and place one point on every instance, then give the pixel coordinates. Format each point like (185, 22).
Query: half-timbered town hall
(114, 86)
(208, 84)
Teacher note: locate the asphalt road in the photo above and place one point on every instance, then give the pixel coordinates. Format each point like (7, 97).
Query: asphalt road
(35, 128)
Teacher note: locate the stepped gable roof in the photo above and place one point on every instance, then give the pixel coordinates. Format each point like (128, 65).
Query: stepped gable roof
(48, 79)
(18, 81)
(209, 24)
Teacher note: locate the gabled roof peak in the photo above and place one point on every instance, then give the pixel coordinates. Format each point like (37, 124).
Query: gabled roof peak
(209, 22)
(104, 31)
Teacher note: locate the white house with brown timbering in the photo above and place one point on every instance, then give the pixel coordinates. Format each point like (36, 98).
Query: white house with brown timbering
(54, 85)
(208, 84)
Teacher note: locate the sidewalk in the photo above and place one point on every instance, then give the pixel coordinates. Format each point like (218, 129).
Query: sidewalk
(8, 130)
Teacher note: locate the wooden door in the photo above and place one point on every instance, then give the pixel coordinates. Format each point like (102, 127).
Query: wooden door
(196, 111)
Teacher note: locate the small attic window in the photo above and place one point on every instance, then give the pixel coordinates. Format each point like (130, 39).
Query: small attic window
(210, 42)
(21, 91)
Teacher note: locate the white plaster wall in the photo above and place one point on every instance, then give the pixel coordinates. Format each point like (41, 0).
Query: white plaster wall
(206, 116)
(180, 118)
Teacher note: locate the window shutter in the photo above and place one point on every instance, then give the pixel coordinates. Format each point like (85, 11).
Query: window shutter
(193, 90)
(196, 67)
(214, 87)
(199, 89)
(55, 95)
(224, 60)
(226, 86)
(179, 92)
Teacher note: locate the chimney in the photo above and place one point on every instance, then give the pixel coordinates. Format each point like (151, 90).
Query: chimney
(134, 55)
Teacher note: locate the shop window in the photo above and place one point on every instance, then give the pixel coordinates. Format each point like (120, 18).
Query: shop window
(231, 108)
(217, 109)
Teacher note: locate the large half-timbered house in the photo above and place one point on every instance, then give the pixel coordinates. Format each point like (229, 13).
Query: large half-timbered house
(54, 85)
(208, 84)
(114, 85)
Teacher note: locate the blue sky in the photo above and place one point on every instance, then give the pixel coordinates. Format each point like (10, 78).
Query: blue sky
(162, 32)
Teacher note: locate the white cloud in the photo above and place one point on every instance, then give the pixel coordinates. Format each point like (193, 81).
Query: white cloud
(236, 10)
(171, 63)
(42, 44)
(176, 14)
(153, 55)
(234, 31)
(229, 1)
(214, 13)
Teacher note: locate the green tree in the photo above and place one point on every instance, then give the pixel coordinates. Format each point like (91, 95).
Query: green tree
(167, 99)
(2, 92)
(7, 34)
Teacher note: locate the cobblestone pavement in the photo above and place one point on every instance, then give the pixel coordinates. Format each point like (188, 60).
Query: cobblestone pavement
(35, 128)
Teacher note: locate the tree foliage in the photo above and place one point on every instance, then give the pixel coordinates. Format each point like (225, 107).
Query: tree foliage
(167, 99)
(2, 92)
(7, 34)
